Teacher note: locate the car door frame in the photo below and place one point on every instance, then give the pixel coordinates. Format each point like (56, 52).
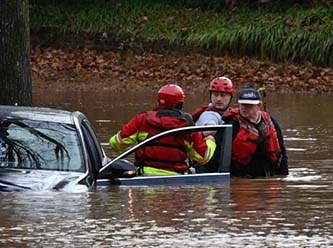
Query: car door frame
(93, 153)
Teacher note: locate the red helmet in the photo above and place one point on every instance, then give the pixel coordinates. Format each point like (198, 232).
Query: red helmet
(222, 84)
(170, 96)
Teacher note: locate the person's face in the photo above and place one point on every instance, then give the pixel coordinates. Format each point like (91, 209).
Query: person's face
(249, 111)
(220, 100)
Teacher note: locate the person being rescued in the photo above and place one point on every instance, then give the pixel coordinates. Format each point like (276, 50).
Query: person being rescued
(221, 91)
(167, 155)
(258, 147)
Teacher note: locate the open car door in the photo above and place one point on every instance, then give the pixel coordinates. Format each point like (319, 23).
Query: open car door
(114, 170)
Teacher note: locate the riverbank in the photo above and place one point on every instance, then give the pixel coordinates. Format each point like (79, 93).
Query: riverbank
(296, 31)
(136, 45)
(119, 71)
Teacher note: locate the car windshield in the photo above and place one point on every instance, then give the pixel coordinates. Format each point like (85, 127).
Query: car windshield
(40, 145)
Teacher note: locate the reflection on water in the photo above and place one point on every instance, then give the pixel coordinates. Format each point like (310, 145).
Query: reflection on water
(255, 212)
(295, 211)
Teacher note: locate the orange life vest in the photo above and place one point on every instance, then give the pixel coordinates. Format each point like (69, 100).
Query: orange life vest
(168, 152)
(249, 138)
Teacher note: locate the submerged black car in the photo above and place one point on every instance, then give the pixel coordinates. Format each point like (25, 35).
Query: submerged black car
(44, 148)
(51, 149)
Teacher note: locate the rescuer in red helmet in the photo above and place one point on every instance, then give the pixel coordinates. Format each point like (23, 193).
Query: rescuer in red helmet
(221, 91)
(168, 155)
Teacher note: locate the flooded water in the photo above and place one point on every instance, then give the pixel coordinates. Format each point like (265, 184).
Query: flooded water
(295, 211)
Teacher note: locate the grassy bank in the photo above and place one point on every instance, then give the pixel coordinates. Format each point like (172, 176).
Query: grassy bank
(297, 33)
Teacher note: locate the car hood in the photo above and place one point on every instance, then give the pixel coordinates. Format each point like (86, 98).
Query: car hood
(23, 179)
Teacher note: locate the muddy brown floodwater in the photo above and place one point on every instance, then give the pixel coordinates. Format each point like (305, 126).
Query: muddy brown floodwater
(293, 211)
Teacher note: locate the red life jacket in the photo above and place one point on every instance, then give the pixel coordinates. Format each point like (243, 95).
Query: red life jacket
(196, 114)
(168, 152)
(245, 143)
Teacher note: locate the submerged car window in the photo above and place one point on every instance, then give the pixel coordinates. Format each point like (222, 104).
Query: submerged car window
(40, 145)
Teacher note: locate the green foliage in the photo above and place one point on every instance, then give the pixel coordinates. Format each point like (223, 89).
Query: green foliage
(284, 32)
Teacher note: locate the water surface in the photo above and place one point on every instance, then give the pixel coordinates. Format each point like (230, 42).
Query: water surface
(294, 211)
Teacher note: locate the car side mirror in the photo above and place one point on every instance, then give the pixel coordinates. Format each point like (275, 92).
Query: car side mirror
(121, 168)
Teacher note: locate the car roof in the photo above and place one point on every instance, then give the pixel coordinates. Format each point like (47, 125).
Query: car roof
(37, 114)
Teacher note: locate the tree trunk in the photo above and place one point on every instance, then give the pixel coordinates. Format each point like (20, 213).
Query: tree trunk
(15, 70)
